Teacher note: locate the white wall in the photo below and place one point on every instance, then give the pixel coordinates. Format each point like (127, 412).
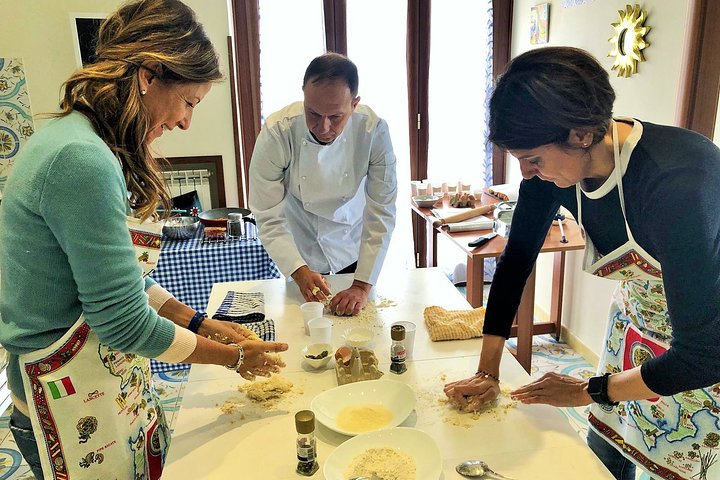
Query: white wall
(40, 32)
(649, 95)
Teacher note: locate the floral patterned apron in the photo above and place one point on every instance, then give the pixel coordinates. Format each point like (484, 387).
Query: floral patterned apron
(94, 410)
(672, 437)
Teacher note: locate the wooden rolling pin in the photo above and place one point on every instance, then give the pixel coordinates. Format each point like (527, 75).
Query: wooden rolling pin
(459, 217)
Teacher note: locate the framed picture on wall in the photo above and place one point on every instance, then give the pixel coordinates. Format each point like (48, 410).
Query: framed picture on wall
(85, 27)
(539, 25)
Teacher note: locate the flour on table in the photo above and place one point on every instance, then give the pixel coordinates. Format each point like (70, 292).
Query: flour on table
(433, 398)
(369, 314)
(263, 395)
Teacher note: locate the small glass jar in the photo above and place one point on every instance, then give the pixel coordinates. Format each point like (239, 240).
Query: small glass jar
(235, 226)
(305, 443)
(397, 349)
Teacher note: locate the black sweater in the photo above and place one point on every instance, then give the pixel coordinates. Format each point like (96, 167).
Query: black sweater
(672, 201)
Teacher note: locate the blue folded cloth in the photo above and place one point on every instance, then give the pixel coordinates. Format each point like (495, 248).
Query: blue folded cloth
(264, 329)
(241, 307)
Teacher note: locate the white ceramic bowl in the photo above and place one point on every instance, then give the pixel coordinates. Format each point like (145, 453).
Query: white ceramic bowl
(360, 337)
(417, 444)
(397, 397)
(315, 349)
(425, 201)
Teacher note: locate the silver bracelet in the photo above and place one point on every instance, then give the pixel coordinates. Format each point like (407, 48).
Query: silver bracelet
(241, 358)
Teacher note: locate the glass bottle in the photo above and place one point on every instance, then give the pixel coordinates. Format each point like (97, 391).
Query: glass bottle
(397, 349)
(305, 443)
(235, 226)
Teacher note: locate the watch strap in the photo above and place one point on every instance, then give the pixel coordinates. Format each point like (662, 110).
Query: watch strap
(196, 321)
(598, 390)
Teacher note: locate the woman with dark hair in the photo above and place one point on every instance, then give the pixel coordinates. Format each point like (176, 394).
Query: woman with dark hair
(78, 318)
(631, 186)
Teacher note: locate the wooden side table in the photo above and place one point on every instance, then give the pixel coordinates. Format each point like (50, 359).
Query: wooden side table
(524, 326)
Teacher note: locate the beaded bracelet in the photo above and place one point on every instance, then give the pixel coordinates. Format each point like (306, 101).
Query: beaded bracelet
(485, 374)
(240, 360)
(196, 321)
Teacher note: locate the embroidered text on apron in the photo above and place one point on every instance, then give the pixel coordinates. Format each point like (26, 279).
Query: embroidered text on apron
(664, 435)
(94, 410)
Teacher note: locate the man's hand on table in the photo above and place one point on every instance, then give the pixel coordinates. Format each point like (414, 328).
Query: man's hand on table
(556, 390)
(472, 393)
(313, 286)
(352, 300)
(261, 358)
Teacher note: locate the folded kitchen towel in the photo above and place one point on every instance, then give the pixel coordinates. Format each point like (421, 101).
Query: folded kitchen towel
(453, 324)
(265, 329)
(241, 307)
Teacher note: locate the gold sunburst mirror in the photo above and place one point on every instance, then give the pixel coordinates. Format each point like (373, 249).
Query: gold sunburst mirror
(629, 40)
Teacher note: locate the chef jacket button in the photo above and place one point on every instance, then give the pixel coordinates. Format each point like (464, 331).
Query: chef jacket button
(307, 204)
(304, 142)
(345, 174)
(344, 199)
(345, 231)
(304, 177)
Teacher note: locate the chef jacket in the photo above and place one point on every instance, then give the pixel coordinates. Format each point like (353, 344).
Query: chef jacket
(325, 206)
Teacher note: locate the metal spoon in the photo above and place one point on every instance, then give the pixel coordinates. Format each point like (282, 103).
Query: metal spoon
(477, 468)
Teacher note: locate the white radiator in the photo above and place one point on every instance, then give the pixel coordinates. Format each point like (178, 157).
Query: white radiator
(184, 181)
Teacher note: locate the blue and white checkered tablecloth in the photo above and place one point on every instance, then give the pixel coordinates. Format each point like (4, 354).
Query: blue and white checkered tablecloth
(189, 268)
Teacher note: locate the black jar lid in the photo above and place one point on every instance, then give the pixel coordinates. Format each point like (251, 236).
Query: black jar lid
(397, 332)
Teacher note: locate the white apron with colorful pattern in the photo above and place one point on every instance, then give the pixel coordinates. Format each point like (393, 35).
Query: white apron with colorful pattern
(671, 437)
(94, 410)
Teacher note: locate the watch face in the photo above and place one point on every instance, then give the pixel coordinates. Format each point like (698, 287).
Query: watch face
(597, 389)
(594, 386)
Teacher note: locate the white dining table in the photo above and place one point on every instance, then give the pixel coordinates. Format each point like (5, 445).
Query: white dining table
(523, 442)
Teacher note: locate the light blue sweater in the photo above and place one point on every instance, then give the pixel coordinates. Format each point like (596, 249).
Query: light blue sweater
(65, 249)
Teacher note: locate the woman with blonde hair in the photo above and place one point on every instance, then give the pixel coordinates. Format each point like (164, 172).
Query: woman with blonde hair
(78, 318)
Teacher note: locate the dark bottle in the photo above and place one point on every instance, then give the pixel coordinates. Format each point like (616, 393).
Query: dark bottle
(397, 349)
(306, 451)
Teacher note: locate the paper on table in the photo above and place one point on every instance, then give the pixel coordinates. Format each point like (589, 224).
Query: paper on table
(477, 223)
(446, 212)
(445, 216)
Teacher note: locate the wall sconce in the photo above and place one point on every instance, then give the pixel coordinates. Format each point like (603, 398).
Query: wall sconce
(629, 40)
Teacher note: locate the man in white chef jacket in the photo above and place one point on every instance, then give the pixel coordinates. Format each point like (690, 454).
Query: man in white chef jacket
(323, 186)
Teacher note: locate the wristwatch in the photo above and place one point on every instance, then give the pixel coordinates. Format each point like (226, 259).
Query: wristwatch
(597, 388)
